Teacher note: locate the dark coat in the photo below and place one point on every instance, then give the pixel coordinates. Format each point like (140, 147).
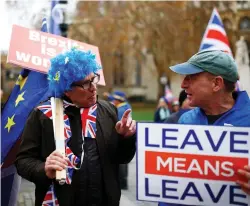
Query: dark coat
(38, 143)
(161, 114)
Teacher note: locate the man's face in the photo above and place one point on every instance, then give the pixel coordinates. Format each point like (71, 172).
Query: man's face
(199, 89)
(83, 93)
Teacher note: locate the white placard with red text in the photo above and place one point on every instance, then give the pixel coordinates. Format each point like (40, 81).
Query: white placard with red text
(191, 165)
(33, 49)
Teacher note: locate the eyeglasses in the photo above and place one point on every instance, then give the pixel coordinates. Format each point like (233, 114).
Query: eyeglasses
(87, 84)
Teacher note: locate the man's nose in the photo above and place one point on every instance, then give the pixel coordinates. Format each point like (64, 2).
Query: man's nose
(184, 83)
(92, 87)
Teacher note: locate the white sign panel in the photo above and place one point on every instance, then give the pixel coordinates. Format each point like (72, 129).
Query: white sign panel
(192, 165)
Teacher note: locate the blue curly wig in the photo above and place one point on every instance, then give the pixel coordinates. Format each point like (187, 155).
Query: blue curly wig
(71, 66)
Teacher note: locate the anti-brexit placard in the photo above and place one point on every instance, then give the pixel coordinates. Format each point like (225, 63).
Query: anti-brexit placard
(192, 165)
(33, 49)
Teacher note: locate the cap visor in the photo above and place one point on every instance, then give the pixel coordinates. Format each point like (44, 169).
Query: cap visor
(186, 68)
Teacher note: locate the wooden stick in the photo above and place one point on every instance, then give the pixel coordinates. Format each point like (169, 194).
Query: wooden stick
(58, 126)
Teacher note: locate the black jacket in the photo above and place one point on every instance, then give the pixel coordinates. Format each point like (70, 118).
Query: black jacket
(106, 152)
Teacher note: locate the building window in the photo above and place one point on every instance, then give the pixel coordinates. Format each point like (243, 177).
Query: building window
(119, 75)
(11, 75)
(243, 4)
(228, 24)
(245, 23)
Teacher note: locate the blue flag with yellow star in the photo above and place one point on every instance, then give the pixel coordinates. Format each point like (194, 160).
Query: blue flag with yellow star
(31, 88)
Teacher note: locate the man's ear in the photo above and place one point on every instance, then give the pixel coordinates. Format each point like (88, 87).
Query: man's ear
(218, 83)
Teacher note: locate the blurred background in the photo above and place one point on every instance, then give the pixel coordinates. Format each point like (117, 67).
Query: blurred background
(138, 41)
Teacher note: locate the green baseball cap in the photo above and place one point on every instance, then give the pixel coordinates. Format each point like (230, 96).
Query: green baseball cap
(215, 62)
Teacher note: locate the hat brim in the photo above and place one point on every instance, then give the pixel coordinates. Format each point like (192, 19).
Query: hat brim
(117, 97)
(186, 68)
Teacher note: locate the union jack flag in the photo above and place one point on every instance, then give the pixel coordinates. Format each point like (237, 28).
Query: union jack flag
(73, 160)
(215, 37)
(46, 109)
(50, 198)
(67, 130)
(88, 116)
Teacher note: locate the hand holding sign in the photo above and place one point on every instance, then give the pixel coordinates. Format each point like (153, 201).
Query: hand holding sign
(126, 126)
(55, 162)
(246, 173)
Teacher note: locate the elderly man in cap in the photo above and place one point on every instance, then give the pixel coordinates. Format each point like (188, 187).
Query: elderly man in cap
(96, 141)
(209, 81)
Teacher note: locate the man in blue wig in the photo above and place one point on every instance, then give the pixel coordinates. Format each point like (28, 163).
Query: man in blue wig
(96, 142)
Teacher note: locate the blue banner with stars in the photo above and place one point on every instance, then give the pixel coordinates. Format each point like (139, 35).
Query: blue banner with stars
(31, 88)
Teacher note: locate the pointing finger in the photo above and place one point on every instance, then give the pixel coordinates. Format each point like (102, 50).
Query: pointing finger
(129, 121)
(118, 126)
(125, 116)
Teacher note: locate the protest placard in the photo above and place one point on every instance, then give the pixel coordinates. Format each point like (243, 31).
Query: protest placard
(191, 165)
(33, 49)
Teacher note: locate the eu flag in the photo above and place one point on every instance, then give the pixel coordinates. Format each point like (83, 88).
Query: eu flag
(31, 88)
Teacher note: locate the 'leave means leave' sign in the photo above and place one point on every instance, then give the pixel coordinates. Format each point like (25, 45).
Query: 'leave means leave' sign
(191, 165)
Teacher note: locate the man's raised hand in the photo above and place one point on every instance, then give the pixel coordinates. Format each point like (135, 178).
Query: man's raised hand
(126, 126)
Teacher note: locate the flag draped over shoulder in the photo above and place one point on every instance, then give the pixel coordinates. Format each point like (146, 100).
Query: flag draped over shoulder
(30, 88)
(215, 36)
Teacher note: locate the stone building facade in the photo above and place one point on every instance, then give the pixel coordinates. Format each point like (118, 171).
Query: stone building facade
(138, 41)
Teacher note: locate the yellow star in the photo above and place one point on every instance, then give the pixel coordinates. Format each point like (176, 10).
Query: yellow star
(10, 123)
(19, 98)
(57, 77)
(21, 81)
